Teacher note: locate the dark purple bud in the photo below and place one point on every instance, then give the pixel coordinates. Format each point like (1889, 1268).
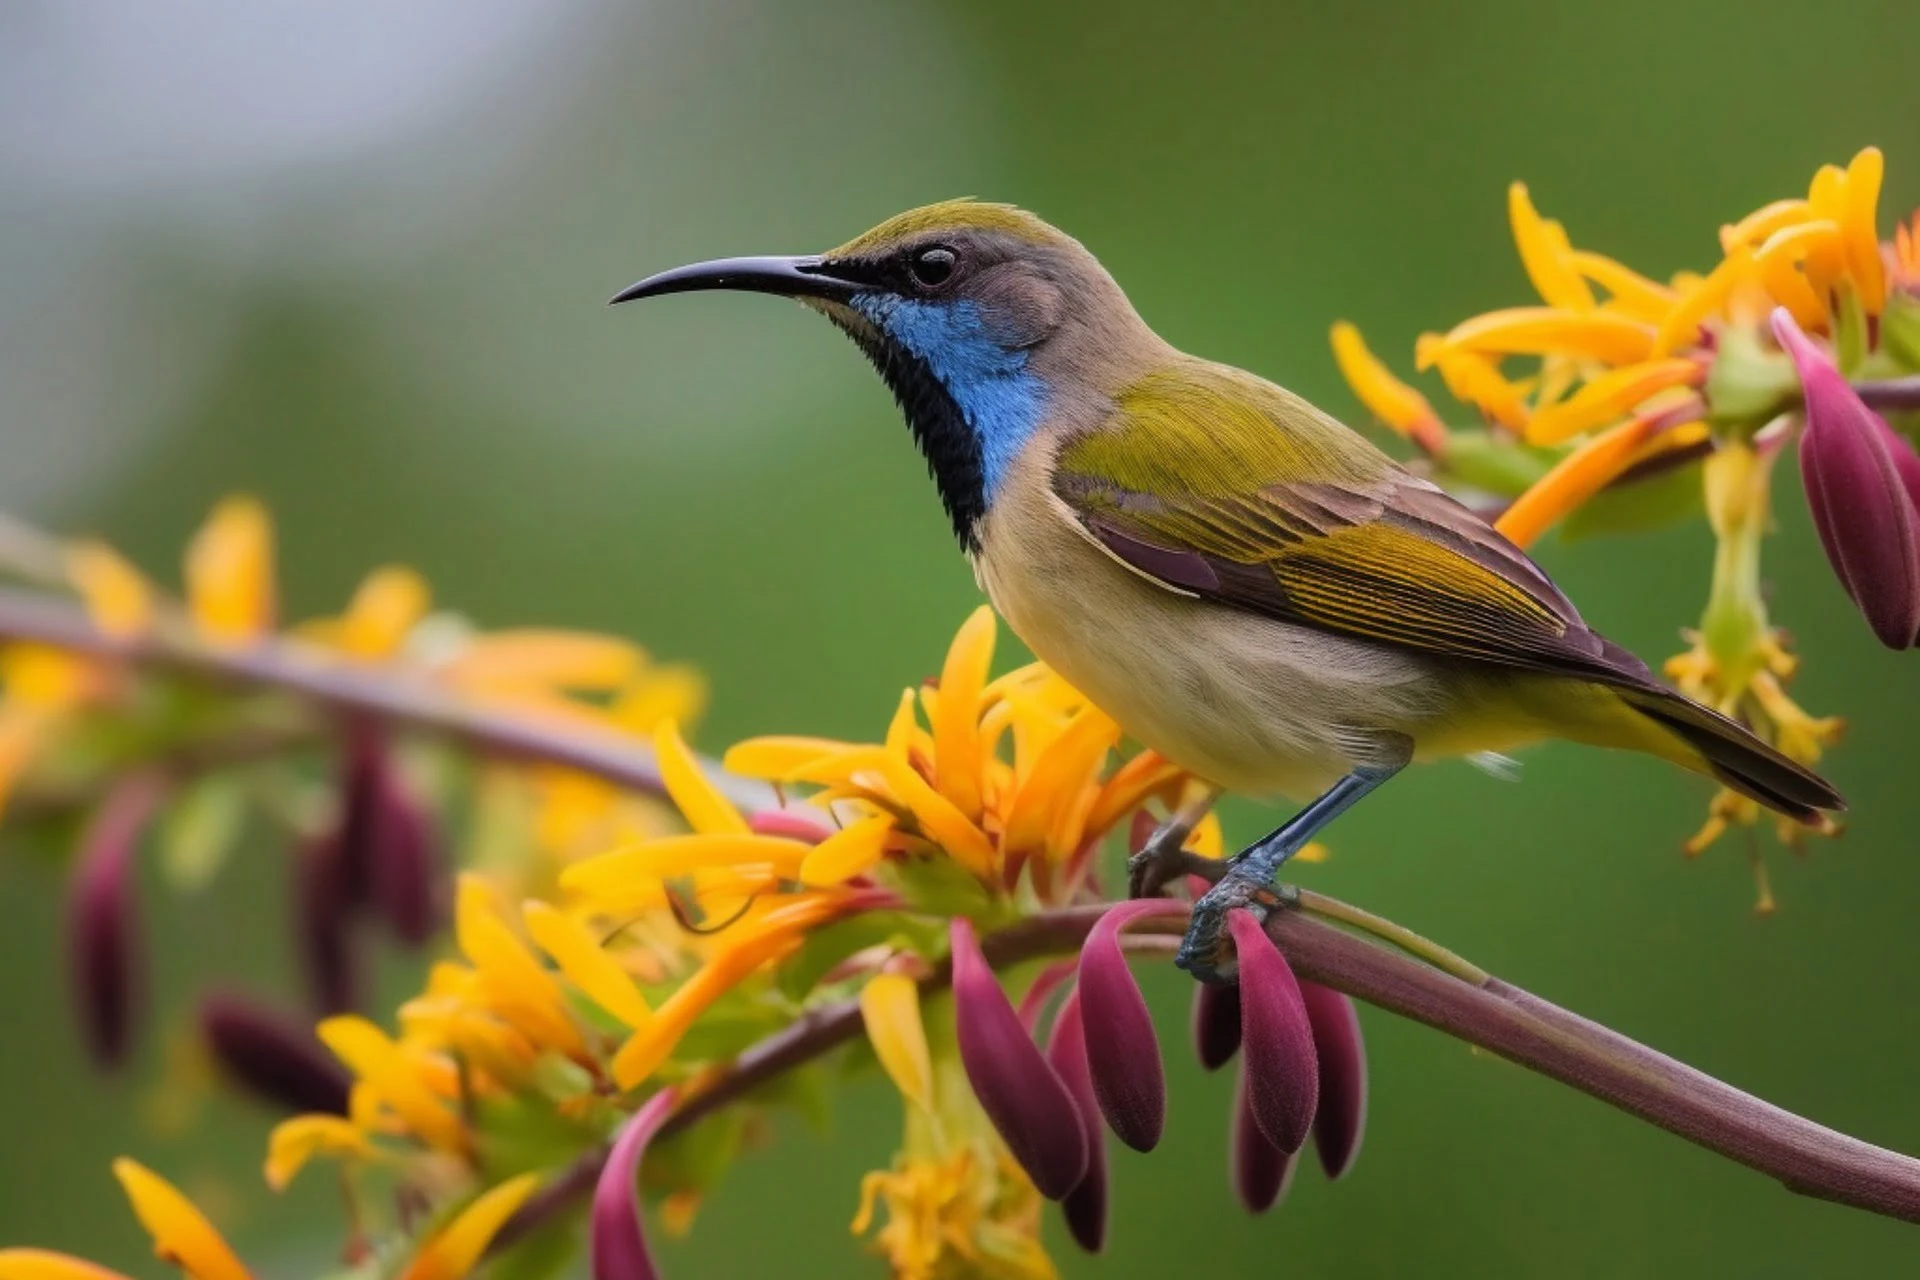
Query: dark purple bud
(103, 925)
(389, 848)
(277, 1060)
(1261, 1172)
(323, 924)
(619, 1245)
(1216, 1024)
(1862, 504)
(1279, 1064)
(1085, 1207)
(1122, 1051)
(1023, 1096)
(1342, 1060)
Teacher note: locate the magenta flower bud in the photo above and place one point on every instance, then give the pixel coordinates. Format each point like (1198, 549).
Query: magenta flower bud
(103, 925)
(1863, 505)
(1024, 1097)
(1279, 1065)
(619, 1245)
(1260, 1171)
(1123, 1053)
(1341, 1057)
(389, 848)
(792, 825)
(1216, 1024)
(323, 924)
(1033, 1005)
(1085, 1207)
(277, 1060)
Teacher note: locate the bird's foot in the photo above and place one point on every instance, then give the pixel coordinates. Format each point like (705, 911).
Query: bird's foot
(1207, 950)
(1163, 859)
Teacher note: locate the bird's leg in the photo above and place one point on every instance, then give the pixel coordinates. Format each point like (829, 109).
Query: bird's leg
(1164, 855)
(1249, 881)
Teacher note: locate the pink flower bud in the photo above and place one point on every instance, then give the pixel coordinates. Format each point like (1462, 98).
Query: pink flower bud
(1085, 1207)
(323, 924)
(1216, 1024)
(1261, 1172)
(1123, 1053)
(1342, 1062)
(1861, 488)
(1280, 1067)
(103, 926)
(1023, 1096)
(619, 1245)
(388, 843)
(275, 1059)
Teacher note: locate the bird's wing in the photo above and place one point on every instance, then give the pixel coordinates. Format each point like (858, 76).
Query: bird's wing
(1219, 485)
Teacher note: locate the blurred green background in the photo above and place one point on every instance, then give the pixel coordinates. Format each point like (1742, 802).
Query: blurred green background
(352, 257)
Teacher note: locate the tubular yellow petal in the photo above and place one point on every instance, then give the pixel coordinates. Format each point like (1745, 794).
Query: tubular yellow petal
(1060, 770)
(1476, 379)
(847, 852)
(1763, 222)
(1827, 193)
(181, 1233)
(1545, 254)
(118, 597)
(1576, 477)
(1813, 246)
(386, 606)
(956, 729)
(390, 1077)
(1208, 839)
(943, 824)
(229, 573)
(299, 1139)
(670, 856)
(538, 657)
(1606, 336)
(456, 1250)
(1385, 396)
(1129, 786)
(781, 759)
(699, 801)
(890, 1008)
(757, 942)
(44, 1264)
(1703, 298)
(673, 692)
(1609, 397)
(1858, 215)
(1631, 292)
(517, 986)
(586, 964)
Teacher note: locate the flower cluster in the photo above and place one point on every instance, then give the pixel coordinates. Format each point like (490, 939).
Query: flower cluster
(635, 955)
(1643, 401)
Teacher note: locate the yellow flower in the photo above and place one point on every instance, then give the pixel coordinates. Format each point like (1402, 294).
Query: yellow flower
(298, 1139)
(455, 1250)
(118, 599)
(229, 573)
(181, 1234)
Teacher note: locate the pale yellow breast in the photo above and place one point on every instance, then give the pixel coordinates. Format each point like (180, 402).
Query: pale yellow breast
(1252, 704)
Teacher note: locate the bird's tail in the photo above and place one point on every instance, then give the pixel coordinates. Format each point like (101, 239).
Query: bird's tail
(1729, 752)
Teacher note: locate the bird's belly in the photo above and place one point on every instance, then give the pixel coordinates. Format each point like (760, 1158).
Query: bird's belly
(1249, 703)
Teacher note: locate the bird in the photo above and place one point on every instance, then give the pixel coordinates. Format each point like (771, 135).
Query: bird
(1246, 585)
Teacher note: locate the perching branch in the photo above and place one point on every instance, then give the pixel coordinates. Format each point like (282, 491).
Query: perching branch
(1891, 393)
(1494, 1015)
(338, 684)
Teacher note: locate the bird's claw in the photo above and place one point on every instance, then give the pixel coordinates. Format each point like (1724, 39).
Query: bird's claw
(1207, 951)
(1162, 859)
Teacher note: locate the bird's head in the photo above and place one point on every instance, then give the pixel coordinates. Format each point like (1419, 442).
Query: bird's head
(987, 324)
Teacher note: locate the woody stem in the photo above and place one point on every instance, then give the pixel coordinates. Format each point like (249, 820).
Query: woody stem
(1494, 1015)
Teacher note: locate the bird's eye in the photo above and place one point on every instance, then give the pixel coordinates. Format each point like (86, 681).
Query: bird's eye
(933, 267)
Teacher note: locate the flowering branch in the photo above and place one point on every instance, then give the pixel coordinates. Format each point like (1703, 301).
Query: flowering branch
(42, 618)
(1804, 1156)
(1891, 393)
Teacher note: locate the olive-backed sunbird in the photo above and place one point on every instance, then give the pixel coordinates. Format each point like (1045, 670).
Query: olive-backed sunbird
(1247, 586)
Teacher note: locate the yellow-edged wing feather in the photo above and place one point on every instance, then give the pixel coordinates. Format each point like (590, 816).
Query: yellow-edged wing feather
(1224, 486)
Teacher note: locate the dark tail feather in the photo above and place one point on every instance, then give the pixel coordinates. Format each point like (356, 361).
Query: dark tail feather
(1735, 757)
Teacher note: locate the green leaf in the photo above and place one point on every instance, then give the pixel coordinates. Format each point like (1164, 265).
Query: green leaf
(1497, 465)
(1749, 384)
(807, 1091)
(200, 830)
(1900, 330)
(695, 1159)
(829, 946)
(543, 1253)
(1664, 498)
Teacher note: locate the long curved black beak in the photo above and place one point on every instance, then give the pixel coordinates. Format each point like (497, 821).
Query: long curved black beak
(806, 277)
